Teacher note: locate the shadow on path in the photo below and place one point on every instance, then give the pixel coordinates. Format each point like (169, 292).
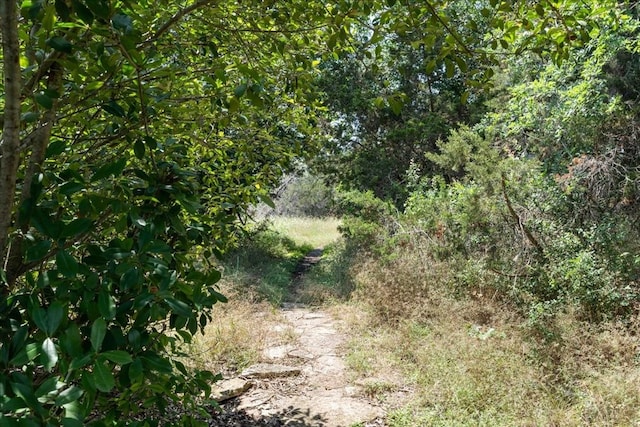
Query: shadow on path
(231, 416)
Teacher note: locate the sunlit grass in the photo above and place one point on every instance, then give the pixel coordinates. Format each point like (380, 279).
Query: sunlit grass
(317, 232)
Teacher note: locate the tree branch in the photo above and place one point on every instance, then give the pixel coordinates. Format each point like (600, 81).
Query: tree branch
(177, 17)
(517, 219)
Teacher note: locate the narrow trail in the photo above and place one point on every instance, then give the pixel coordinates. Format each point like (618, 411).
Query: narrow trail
(305, 382)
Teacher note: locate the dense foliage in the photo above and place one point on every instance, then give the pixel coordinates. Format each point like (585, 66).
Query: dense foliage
(538, 200)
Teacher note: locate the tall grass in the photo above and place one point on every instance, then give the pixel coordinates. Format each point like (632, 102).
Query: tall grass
(474, 360)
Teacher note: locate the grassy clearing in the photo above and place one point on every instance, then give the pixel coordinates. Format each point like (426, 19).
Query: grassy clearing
(315, 232)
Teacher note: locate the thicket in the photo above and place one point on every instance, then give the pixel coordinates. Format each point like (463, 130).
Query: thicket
(536, 204)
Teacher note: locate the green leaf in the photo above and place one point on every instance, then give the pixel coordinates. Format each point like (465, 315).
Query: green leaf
(67, 264)
(76, 227)
(62, 9)
(100, 8)
(60, 44)
(80, 362)
(240, 90)
(98, 332)
(106, 305)
(129, 278)
(104, 380)
(118, 356)
(449, 68)
(109, 169)
(55, 314)
(396, 105)
(83, 12)
(69, 188)
(49, 354)
(112, 107)
(138, 149)
(37, 251)
(39, 316)
(71, 341)
(29, 117)
(44, 100)
(69, 395)
(122, 22)
(180, 308)
(267, 200)
(47, 387)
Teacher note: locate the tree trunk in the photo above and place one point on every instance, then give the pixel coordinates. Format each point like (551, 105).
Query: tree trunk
(10, 143)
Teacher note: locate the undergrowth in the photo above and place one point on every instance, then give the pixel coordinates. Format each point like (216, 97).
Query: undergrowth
(472, 358)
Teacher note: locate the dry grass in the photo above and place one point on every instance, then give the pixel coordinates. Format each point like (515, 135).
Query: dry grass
(317, 232)
(238, 333)
(472, 361)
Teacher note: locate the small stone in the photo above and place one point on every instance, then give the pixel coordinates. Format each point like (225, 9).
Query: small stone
(267, 370)
(279, 352)
(228, 389)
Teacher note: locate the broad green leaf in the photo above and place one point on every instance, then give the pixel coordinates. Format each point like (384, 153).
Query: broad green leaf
(180, 308)
(114, 108)
(129, 278)
(49, 354)
(55, 314)
(136, 371)
(38, 251)
(240, 90)
(267, 200)
(80, 362)
(76, 227)
(69, 188)
(47, 386)
(67, 264)
(60, 44)
(106, 305)
(138, 149)
(39, 316)
(83, 11)
(98, 332)
(119, 357)
(109, 169)
(100, 8)
(71, 422)
(122, 22)
(44, 100)
(104, 380)
(71, 341)
(69, 395)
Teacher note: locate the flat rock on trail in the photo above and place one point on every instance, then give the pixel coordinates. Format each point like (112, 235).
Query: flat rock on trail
(313, 389)
(321, 394)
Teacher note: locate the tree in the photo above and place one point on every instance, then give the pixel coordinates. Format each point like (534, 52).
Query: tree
(135, 135)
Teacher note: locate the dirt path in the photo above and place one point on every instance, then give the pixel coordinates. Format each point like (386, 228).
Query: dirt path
(305, 382)
(320, 395)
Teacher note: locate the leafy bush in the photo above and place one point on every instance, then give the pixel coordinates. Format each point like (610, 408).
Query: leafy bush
(365, 218)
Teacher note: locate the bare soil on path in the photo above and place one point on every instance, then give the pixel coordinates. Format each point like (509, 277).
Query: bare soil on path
(305, 381)
(321, 394)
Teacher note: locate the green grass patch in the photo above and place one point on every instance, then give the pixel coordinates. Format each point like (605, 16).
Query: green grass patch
(316, 232)
(264, 264)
